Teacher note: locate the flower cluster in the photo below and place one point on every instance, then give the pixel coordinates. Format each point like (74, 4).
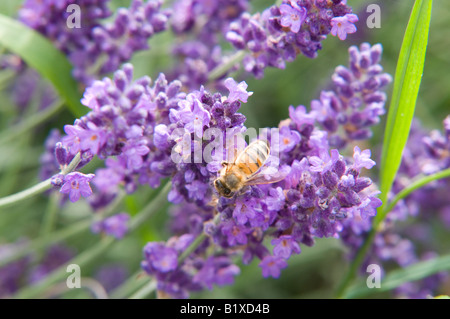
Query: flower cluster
(157, 131)
(321, 193)
(356, 101)
(270, 38)
(398, 242)
(279, 34)
(95, 48)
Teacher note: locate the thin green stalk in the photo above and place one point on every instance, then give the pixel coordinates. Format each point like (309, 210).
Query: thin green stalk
(223, 68)
(49, 219)
(400, 276)
(151, 208)
(38, 188)
(59, 235)
(94, 252)
(354, 266)
(408, 76)
(31, 122)
(145, 291)
(416, 185)
(60, 273)
(194, 245)
(53, 238)
(131, 285)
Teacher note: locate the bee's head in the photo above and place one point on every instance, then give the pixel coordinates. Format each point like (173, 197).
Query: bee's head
(223, 189)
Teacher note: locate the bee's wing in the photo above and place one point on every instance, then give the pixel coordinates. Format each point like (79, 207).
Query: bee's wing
(234, 149)
(268, 175)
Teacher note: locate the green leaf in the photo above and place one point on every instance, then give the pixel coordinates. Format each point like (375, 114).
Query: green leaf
(398, 277)
(408, 76)
(40, 54)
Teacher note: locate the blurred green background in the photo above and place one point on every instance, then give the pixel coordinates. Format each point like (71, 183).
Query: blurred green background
(314, 272)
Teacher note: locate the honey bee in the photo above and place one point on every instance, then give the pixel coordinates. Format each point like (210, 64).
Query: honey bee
(246, 170)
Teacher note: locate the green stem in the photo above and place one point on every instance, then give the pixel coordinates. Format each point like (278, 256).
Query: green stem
(50, 215)
(31, 122)
(130, 286)
(38, 188)
(89, 255)
(400, 276)
(52, 238)
(354, 266)
(145, 291)
(223, 68)
(151, 208)
(58, 236)
(60, 273)
(416, 185)
(194, 245)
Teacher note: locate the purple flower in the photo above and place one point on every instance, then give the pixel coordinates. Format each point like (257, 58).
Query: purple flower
(217, 270)
(193, 115)
(77, 184)
(271, 266)
(362, 159)
(160, 258)
(324, 162)
(73, 139)
(237, 91)
(111, 276)
(236, 234)
(279, 34)
(276, 199)
(301, 117)
(288, 139)
(197, 190)
(134, 151)
(356, 100)
(284, 246)
(115, 226)
(292, 17)
(161, 137)
(96, 48)
(341, 26)
(92, 139)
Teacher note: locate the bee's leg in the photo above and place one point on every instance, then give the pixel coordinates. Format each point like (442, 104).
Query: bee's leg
(224, 164)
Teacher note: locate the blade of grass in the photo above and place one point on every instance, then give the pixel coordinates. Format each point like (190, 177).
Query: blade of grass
(398, 277)
(407, 80)
(41, 54)
(408, 76)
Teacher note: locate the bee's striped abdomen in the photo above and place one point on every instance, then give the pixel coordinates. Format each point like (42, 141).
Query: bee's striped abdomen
(253, 157)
